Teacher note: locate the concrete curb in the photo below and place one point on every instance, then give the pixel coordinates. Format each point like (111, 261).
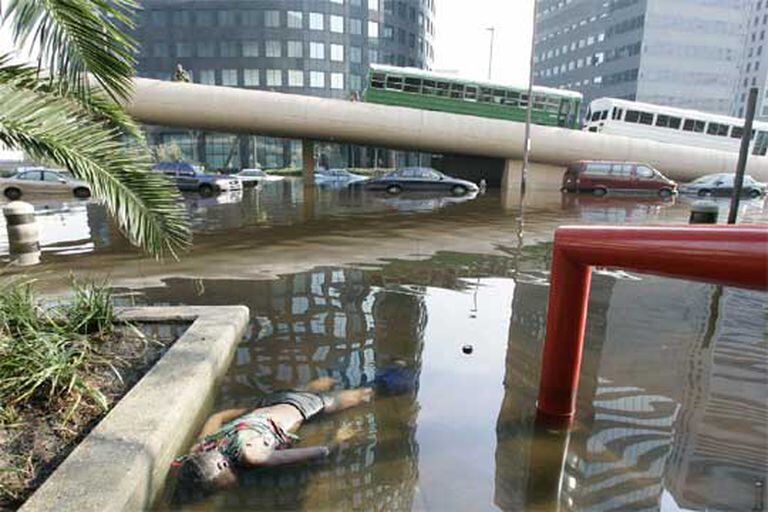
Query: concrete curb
(123, 463)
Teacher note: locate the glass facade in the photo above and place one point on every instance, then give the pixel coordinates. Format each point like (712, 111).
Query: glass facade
(753, 61)
(320, 48)
(643, 50)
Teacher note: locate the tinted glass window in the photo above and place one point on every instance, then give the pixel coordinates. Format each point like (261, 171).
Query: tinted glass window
(599, 168)
(644, 172)
(646, 118)
(51, 176)
(737, 132)
(621, 170)
(632, 116)
(29, 176)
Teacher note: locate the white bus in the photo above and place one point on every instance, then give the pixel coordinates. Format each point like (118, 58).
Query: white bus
(672, 125)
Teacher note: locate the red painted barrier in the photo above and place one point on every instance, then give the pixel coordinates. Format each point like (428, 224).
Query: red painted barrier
(728, 255)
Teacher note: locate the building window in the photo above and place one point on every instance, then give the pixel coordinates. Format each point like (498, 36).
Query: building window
(337, 80)
(373, 5)
(337, 24)
(250, 48)
(273, 49)
(181, 18)
(355, 26)
(205, 18)
(373, 29)
(388, 32)
(250, 18)
(295, 49)
(337, 53)
(295, 19)
(317, 79)
(373, 56)
(229, 77)
(208, 77)
(340, 2)
(226, 18)
(316, 21)
(160, 50)
(316, 50)
(272, 19)
(183, 49)
(228, 49)
(355, 82)
(251, 77)
(158, 18)
(274, 77)
(205, 49)
(295, 78)
(355, 54)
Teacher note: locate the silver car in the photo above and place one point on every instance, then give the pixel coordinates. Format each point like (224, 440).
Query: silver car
(35, 181)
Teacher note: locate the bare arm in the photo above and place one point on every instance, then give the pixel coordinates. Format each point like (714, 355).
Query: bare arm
(215, 422)
(293, 456)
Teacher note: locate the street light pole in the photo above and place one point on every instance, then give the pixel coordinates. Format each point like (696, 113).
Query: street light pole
(529, 112)
(490, 58)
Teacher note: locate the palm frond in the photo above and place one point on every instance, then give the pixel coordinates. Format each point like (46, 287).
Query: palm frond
(145, 204)
(77, 37)
(101, 106)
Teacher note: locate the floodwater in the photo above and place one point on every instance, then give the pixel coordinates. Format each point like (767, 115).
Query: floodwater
(673, 398)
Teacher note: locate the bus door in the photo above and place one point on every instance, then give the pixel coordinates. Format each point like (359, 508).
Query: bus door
(564, 116)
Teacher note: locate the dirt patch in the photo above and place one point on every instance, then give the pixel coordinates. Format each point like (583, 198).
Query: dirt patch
(36, 437)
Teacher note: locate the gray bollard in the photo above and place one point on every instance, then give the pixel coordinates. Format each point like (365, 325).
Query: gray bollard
(23, 233)
(704, 212)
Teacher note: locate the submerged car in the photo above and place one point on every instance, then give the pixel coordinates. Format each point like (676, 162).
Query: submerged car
(601, 177)
(336, 177)
(43, 181)
(421, 179)
(722, 185)
(191, 178)
(256, 176)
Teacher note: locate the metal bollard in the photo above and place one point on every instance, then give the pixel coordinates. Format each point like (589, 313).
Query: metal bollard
(704, 212)
(23, 233)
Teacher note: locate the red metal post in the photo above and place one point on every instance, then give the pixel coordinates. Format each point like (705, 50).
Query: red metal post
(735, 256)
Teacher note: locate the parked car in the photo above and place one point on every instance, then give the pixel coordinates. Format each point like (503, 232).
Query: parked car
(39, 180)
(419, 179)
(191, 178)
(601, 177)
(336, 177)
(722, 185)
(256, 176)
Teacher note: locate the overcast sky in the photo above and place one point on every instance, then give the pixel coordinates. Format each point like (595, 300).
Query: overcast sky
(463, 43)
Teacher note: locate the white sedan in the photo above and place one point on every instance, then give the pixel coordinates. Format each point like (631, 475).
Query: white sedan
(256, 176)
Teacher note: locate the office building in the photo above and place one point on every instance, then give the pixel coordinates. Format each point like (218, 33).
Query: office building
(681, 53)
(753, 62)
(320, 48)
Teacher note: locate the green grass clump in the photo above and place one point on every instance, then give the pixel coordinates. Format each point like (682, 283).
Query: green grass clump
(45, 353)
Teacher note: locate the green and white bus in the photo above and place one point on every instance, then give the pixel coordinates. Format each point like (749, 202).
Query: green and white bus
(416, 88)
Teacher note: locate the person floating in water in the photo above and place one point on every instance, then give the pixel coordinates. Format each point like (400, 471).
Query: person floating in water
(238, 439)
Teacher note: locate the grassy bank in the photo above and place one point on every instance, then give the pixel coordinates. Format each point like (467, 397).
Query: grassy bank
(61, 369)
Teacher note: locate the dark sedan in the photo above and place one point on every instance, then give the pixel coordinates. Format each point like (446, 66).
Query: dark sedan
(722, 185)
(420, 179)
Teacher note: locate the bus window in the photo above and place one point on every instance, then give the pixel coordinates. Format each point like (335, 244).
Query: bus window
(523, 101)
(470, 93)
(604, 116)
(442, 88)
(691, 125)
(486, 95)
(737, 132)
(595, 115)
(617, 112)
(395, 83)
(412, 85)
(674, 123)
(499, 96)
(429, 87)
(761, 143)
(457, 91)
(721, 130)
(632, 116)
(377, 81)
(646, 118)
(662, 121)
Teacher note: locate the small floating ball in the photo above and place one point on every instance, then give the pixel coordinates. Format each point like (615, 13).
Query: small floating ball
(467, 349)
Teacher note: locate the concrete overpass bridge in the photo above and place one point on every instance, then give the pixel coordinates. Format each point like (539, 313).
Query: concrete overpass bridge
(234, 110)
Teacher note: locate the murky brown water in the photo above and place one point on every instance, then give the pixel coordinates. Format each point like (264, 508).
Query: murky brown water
(673, 401)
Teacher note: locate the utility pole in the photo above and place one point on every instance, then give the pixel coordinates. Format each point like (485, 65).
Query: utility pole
(746, 138)
(492, 30)
(529, 113)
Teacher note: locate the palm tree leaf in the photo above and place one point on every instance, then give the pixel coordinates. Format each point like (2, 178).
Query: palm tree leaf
(76, 37)
(145, 204)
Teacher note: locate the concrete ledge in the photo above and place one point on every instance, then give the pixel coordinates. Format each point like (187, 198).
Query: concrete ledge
(123, 463)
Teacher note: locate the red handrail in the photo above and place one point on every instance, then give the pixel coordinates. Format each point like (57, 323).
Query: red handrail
(728, 255)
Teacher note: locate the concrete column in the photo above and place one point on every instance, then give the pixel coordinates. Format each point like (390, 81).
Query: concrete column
(308, 161)
(23, 233)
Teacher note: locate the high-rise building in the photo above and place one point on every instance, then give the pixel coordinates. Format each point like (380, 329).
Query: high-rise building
(681, 53)
(320, 48)
(753, 62)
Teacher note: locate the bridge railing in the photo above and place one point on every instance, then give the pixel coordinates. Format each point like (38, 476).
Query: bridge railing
(727, 255)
